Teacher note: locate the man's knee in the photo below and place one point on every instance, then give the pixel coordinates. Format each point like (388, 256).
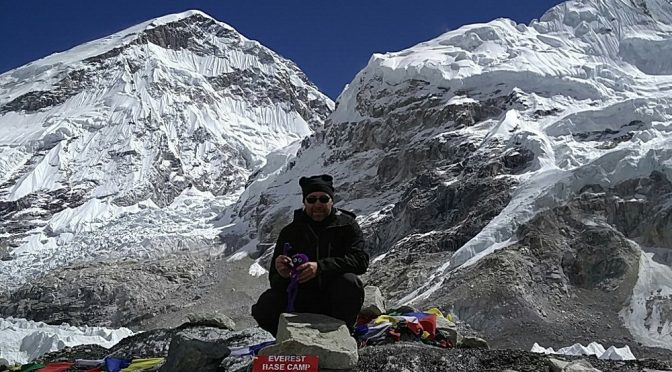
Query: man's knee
(348, 285)
(268, 308)
(345, 298)
(350, 281)
(270, 304)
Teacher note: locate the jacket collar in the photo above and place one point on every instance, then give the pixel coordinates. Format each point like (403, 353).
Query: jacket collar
(333, 219)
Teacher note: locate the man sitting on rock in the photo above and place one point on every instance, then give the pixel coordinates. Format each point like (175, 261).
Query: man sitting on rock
(330, 242)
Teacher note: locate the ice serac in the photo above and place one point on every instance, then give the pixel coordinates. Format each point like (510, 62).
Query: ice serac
(128, 148)
(512, 173)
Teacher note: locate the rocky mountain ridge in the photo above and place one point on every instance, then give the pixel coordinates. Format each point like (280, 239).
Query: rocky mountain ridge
(516, 174)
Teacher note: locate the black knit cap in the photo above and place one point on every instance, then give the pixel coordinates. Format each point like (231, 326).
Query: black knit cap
(322, 183)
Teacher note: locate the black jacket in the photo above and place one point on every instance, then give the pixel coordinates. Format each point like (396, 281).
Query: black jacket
(336, 244)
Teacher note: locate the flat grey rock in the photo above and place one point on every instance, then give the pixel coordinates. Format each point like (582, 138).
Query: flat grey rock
(315, 334)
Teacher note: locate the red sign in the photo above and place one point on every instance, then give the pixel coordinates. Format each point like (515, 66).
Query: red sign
(305, 363)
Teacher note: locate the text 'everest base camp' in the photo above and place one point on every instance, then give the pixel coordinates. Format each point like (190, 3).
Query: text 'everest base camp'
(512, 183)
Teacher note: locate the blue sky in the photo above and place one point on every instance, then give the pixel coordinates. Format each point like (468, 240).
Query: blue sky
(329, 40)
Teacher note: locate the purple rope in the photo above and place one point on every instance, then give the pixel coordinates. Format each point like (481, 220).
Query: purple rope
(293, 287)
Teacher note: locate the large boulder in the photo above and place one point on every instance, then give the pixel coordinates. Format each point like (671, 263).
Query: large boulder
(190, 353)
(557, 365)
(214, 319)
(452, 335)
(374, 302)
(474, 342)
(580, 366)
(315, 334)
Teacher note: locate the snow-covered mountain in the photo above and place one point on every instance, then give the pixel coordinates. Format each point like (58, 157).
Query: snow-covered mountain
(516, 174)
(117, 158)
(129, 145)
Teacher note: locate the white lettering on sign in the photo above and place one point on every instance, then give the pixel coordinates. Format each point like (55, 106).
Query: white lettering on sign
(281, 367)
(286, 358)
(298, 367)
(285, 363)
(273, 367)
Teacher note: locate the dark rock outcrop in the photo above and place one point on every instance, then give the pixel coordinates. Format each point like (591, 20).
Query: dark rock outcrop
(101, 293)
(192, 354)
(569, 275)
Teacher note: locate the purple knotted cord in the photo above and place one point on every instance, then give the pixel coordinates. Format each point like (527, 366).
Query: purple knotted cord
(293, 287)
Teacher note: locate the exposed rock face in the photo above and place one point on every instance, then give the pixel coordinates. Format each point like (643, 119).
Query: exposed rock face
(103, 294)
(18, 218)
(571, 272)
(163, 293)
(71, 83)
(433, 223)
(434, 187)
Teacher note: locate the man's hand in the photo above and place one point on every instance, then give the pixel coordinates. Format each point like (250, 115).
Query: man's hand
(284, 266)
(307, 271)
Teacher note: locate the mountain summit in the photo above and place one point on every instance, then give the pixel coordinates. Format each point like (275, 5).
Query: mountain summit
(119, 133)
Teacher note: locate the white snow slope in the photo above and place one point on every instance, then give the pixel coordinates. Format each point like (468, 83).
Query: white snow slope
(23, 340)
(594, 348)
(131, 145)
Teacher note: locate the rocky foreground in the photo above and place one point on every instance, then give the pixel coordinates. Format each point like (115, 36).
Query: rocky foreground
(209, 342)
(402, 356)
(418, 357)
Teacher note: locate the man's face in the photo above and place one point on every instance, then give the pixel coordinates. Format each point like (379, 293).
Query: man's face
(318, 205)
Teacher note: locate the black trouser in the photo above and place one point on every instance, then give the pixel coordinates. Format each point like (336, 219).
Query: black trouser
(341, 297)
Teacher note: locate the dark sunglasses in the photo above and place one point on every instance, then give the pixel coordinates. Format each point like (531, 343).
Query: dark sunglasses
(324, 199)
